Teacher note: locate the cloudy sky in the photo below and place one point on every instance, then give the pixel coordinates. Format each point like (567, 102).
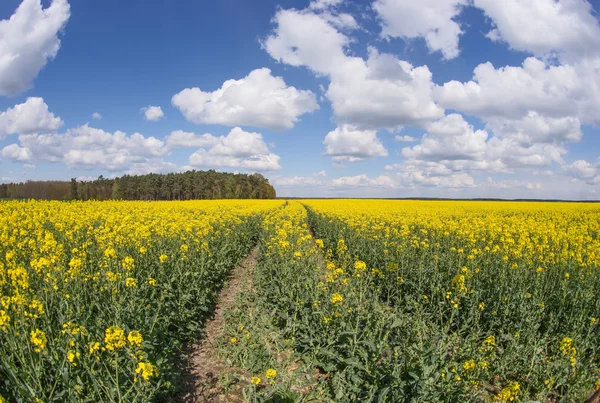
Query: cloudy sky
(383, 98)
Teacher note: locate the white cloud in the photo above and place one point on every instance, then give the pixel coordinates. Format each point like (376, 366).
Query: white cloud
(405, 139)
(16, 153)
(535, 128)
(347, 143)
(584, 170)
(363, 180)
(432, 20)
(450, 138)
(96, 115)
(259, 100)
(29, 117)
(153, 113)
(28, 40)
(533, 111)
(512, 91)
(86, 147)
(324, 4)
(380, 92)
(418, 178)
(179, 138)
(406, 180)
(452, 145)
(511, 184)
(383, 92)
(239, 149)
(516, 155)
(544, 26)
(320, 173)
(296, 181)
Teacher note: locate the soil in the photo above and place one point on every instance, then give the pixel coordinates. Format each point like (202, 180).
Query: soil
(205, 367)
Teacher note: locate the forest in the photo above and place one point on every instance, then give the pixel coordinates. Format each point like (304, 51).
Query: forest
(190, 185)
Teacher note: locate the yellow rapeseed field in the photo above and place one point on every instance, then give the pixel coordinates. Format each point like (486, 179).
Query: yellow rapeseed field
(352, 300)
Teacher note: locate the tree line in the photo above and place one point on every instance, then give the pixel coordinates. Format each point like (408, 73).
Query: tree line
(173, 186)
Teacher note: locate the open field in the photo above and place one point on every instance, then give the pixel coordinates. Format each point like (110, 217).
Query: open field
(347, 300)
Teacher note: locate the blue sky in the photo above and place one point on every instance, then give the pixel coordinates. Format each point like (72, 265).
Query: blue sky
(384, 98)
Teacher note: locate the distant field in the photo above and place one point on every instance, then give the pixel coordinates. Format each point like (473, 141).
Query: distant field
(347, 300)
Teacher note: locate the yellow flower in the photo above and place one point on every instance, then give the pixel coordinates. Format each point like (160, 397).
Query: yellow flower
(183, 248)
(135, 338)
(567, 348)
(114, 338)
(359, 267)
(469, 365)
(271, 373)
(509, 394)
(130, 282)
(4, 320)
(146, 370)
(319, 243)
(71, 356)
(128, 263)
(567, 276)
(152, 281)
(38, 339)
(255, 380)
(489, 343)
(233, 340)
(110, 253)
(481, 306)
(143, 250)
(458, 283)
(94, 346)
(336, 298)
(163, 258)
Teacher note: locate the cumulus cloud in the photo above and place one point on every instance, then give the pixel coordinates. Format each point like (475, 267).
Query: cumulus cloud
(432, 20)
(96, 115)
(347, 143)
(450, 138)
(584, 170)
(86, 147)
(511, 184)
(364, 181)
(239, 149)
(296, 181)
(28, 40)
(452, 145)
(405, 139)
(513, 91)
(544, 26)
(380, 92)
(535, 128)
(533, 111)
(31, 116)
(153, 113)
(406, 180)
(259, 100)
(181, 139)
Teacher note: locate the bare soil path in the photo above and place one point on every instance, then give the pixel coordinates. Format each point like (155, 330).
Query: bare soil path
(205, 367)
